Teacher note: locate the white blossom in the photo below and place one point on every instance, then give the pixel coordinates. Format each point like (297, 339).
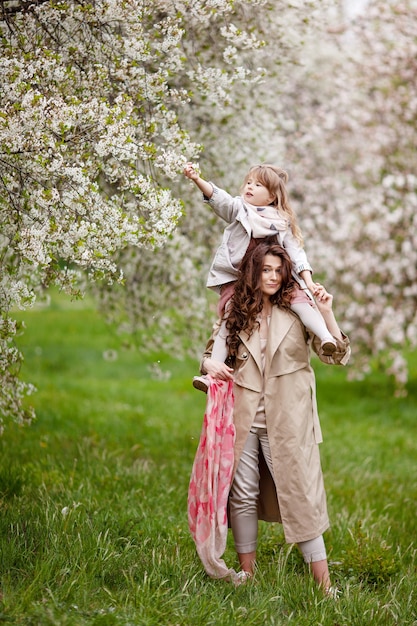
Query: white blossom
(93, 136)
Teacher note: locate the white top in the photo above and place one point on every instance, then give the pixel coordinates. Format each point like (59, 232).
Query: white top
(260, 418)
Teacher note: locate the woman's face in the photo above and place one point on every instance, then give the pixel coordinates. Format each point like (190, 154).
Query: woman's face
(271, 278)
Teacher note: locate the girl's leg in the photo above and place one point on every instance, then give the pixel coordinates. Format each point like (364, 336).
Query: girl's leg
(219, 353)
(243, 504)
(313, 320)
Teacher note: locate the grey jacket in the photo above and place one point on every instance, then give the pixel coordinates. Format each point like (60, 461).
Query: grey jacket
(236, 238)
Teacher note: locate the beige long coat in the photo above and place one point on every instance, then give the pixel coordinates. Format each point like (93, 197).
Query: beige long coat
(295, 495)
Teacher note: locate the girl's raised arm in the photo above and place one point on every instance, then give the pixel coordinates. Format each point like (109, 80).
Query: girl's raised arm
(191, 173)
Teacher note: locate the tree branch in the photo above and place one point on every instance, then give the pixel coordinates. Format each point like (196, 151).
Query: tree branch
(11, 7)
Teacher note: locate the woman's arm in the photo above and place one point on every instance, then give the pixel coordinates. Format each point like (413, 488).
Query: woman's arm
(216, 369)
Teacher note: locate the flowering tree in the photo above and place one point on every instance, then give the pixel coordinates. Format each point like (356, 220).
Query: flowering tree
(164, 290)
(351, 142)
(339, 113)
(101, 104)
(98, 100)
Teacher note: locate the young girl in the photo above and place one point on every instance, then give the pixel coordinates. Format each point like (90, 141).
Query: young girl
(262, 210)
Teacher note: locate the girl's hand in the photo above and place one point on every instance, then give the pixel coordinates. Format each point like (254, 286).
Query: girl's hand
(324, 303)
(324, 299)
(218, 369)
(313, 287)
(190, 171)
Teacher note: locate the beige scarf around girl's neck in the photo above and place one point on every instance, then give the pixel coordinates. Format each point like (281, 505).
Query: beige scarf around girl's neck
(266, 220)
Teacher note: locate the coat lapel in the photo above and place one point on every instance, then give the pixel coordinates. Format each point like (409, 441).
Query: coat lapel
(253, 345)
(280, 324)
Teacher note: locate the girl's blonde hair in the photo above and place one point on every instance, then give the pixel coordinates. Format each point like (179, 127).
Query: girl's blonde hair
(275, 179)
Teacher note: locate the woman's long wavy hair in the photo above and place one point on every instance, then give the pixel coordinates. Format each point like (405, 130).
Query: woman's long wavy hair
(247, 301)
(275, 180)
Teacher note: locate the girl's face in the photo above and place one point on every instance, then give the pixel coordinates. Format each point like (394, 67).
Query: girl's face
(256, 193)
(271, 277)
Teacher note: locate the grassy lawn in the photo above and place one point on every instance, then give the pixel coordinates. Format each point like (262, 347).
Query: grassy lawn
(93, 495)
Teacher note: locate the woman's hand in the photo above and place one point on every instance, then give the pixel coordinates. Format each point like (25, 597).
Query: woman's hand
(218, 369)
(315, 288)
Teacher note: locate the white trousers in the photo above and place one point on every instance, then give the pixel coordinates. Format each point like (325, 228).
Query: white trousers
(244, 498)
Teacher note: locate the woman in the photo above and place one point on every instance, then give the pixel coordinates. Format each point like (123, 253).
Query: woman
(277, 474)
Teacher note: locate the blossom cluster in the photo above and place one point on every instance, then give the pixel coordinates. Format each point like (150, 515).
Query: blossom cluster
(350, 146)
(227, 109)
(102, 103)
(93, 132)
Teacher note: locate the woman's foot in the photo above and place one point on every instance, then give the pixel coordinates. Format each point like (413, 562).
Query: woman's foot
(332, 592)
(242, 577)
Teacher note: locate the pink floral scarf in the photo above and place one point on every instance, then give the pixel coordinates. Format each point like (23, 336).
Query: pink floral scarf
(211, 478)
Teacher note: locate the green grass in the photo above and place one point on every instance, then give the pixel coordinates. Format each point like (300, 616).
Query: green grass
(93, 495)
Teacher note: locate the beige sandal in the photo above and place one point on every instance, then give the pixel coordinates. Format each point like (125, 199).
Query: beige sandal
(332, 592)
(242, 577)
